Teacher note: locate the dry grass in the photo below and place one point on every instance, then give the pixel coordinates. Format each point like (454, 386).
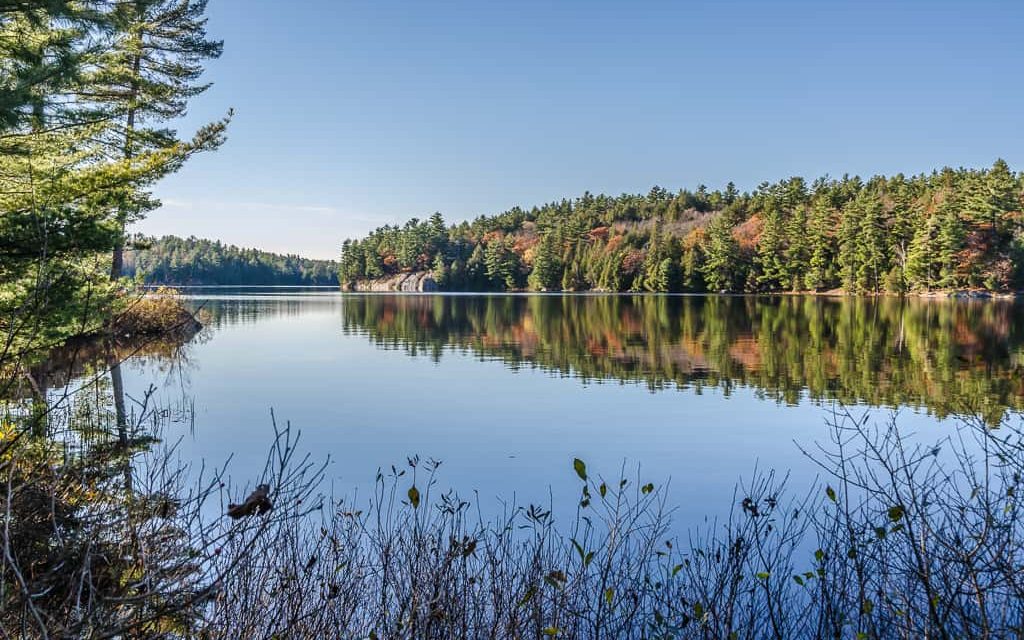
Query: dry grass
(158, 312)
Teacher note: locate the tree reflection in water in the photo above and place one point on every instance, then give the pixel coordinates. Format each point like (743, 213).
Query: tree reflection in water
(948, 357)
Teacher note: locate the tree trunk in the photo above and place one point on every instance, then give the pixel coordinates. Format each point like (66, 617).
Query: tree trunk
(117, 260)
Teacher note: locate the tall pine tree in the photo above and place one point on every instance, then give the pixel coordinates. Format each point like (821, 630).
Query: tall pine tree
(144, 79)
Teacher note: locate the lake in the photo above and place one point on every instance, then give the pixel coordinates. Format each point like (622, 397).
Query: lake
(507, 389)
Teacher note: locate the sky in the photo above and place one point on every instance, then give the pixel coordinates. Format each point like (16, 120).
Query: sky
(350, 115)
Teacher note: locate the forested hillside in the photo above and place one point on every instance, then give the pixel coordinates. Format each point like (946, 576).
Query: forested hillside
(951, 229)
(174, 260)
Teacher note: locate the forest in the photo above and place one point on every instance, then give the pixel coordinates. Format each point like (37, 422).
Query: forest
(952, 229)
(194, 261)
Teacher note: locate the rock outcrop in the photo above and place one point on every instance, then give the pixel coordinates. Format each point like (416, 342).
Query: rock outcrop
(414, 282)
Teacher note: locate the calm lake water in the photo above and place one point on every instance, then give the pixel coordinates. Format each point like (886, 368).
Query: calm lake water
(507, 389)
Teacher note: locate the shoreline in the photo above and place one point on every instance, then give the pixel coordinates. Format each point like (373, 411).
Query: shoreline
(423, 283)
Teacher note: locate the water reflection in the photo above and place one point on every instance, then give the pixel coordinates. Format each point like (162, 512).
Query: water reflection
(946, 357)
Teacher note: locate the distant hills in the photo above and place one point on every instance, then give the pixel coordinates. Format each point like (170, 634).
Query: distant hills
(196, 261)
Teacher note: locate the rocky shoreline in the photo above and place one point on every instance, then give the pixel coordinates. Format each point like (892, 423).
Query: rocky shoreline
(424, 282)
(412, 282)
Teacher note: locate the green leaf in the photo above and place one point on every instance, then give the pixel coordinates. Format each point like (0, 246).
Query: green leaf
(603, 489)
(647, 488)
(798, 580)
(831, 493)
(581, 468)
(609, 595)
(896, 513)
(763, 575)
(551, 631)
(532, 591)
(414, 497)
(579, 549)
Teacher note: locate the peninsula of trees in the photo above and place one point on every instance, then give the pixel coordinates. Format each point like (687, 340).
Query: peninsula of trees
(951, 229)
(183, 261)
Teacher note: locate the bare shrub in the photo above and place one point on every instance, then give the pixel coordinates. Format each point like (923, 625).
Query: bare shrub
(901, 540)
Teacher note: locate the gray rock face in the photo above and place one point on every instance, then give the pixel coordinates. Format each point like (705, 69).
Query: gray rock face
(415, 282)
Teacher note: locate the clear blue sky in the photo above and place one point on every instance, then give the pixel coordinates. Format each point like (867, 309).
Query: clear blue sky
(350, 115)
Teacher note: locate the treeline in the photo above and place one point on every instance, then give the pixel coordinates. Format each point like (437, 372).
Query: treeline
(181, 261)
(951, 229)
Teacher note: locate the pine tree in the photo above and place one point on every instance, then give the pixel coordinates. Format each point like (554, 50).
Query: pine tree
(572, 274)
(502, 264)
(693, 269)
(819, 238)
(949, 244)
(990, 196)
(798, 249)
(770, 248)
(546, 274)
(649, 277)
(872, 263)
(440, 272)
(919, 271)
(731, 194)
(438, 234)
(669, 278)
(722, 254)
(849, 246)
(611, 272)
(905, 217)
(144, 79)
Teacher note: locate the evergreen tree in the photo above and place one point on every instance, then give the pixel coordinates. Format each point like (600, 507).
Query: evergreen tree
(440, 272)
(172, 260)
(798, 249)
(819, 238)
(546, 273)
(862, 236)
(144, 79)
(722, 254)
(770, 246)
(572, 274)
(502, 264)
(871, 243)
(849, 246)
(949, 244)
(990, 196)
(611, 272)
(649, 278)
(920, 271)
(669, 277)
(693, 268)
